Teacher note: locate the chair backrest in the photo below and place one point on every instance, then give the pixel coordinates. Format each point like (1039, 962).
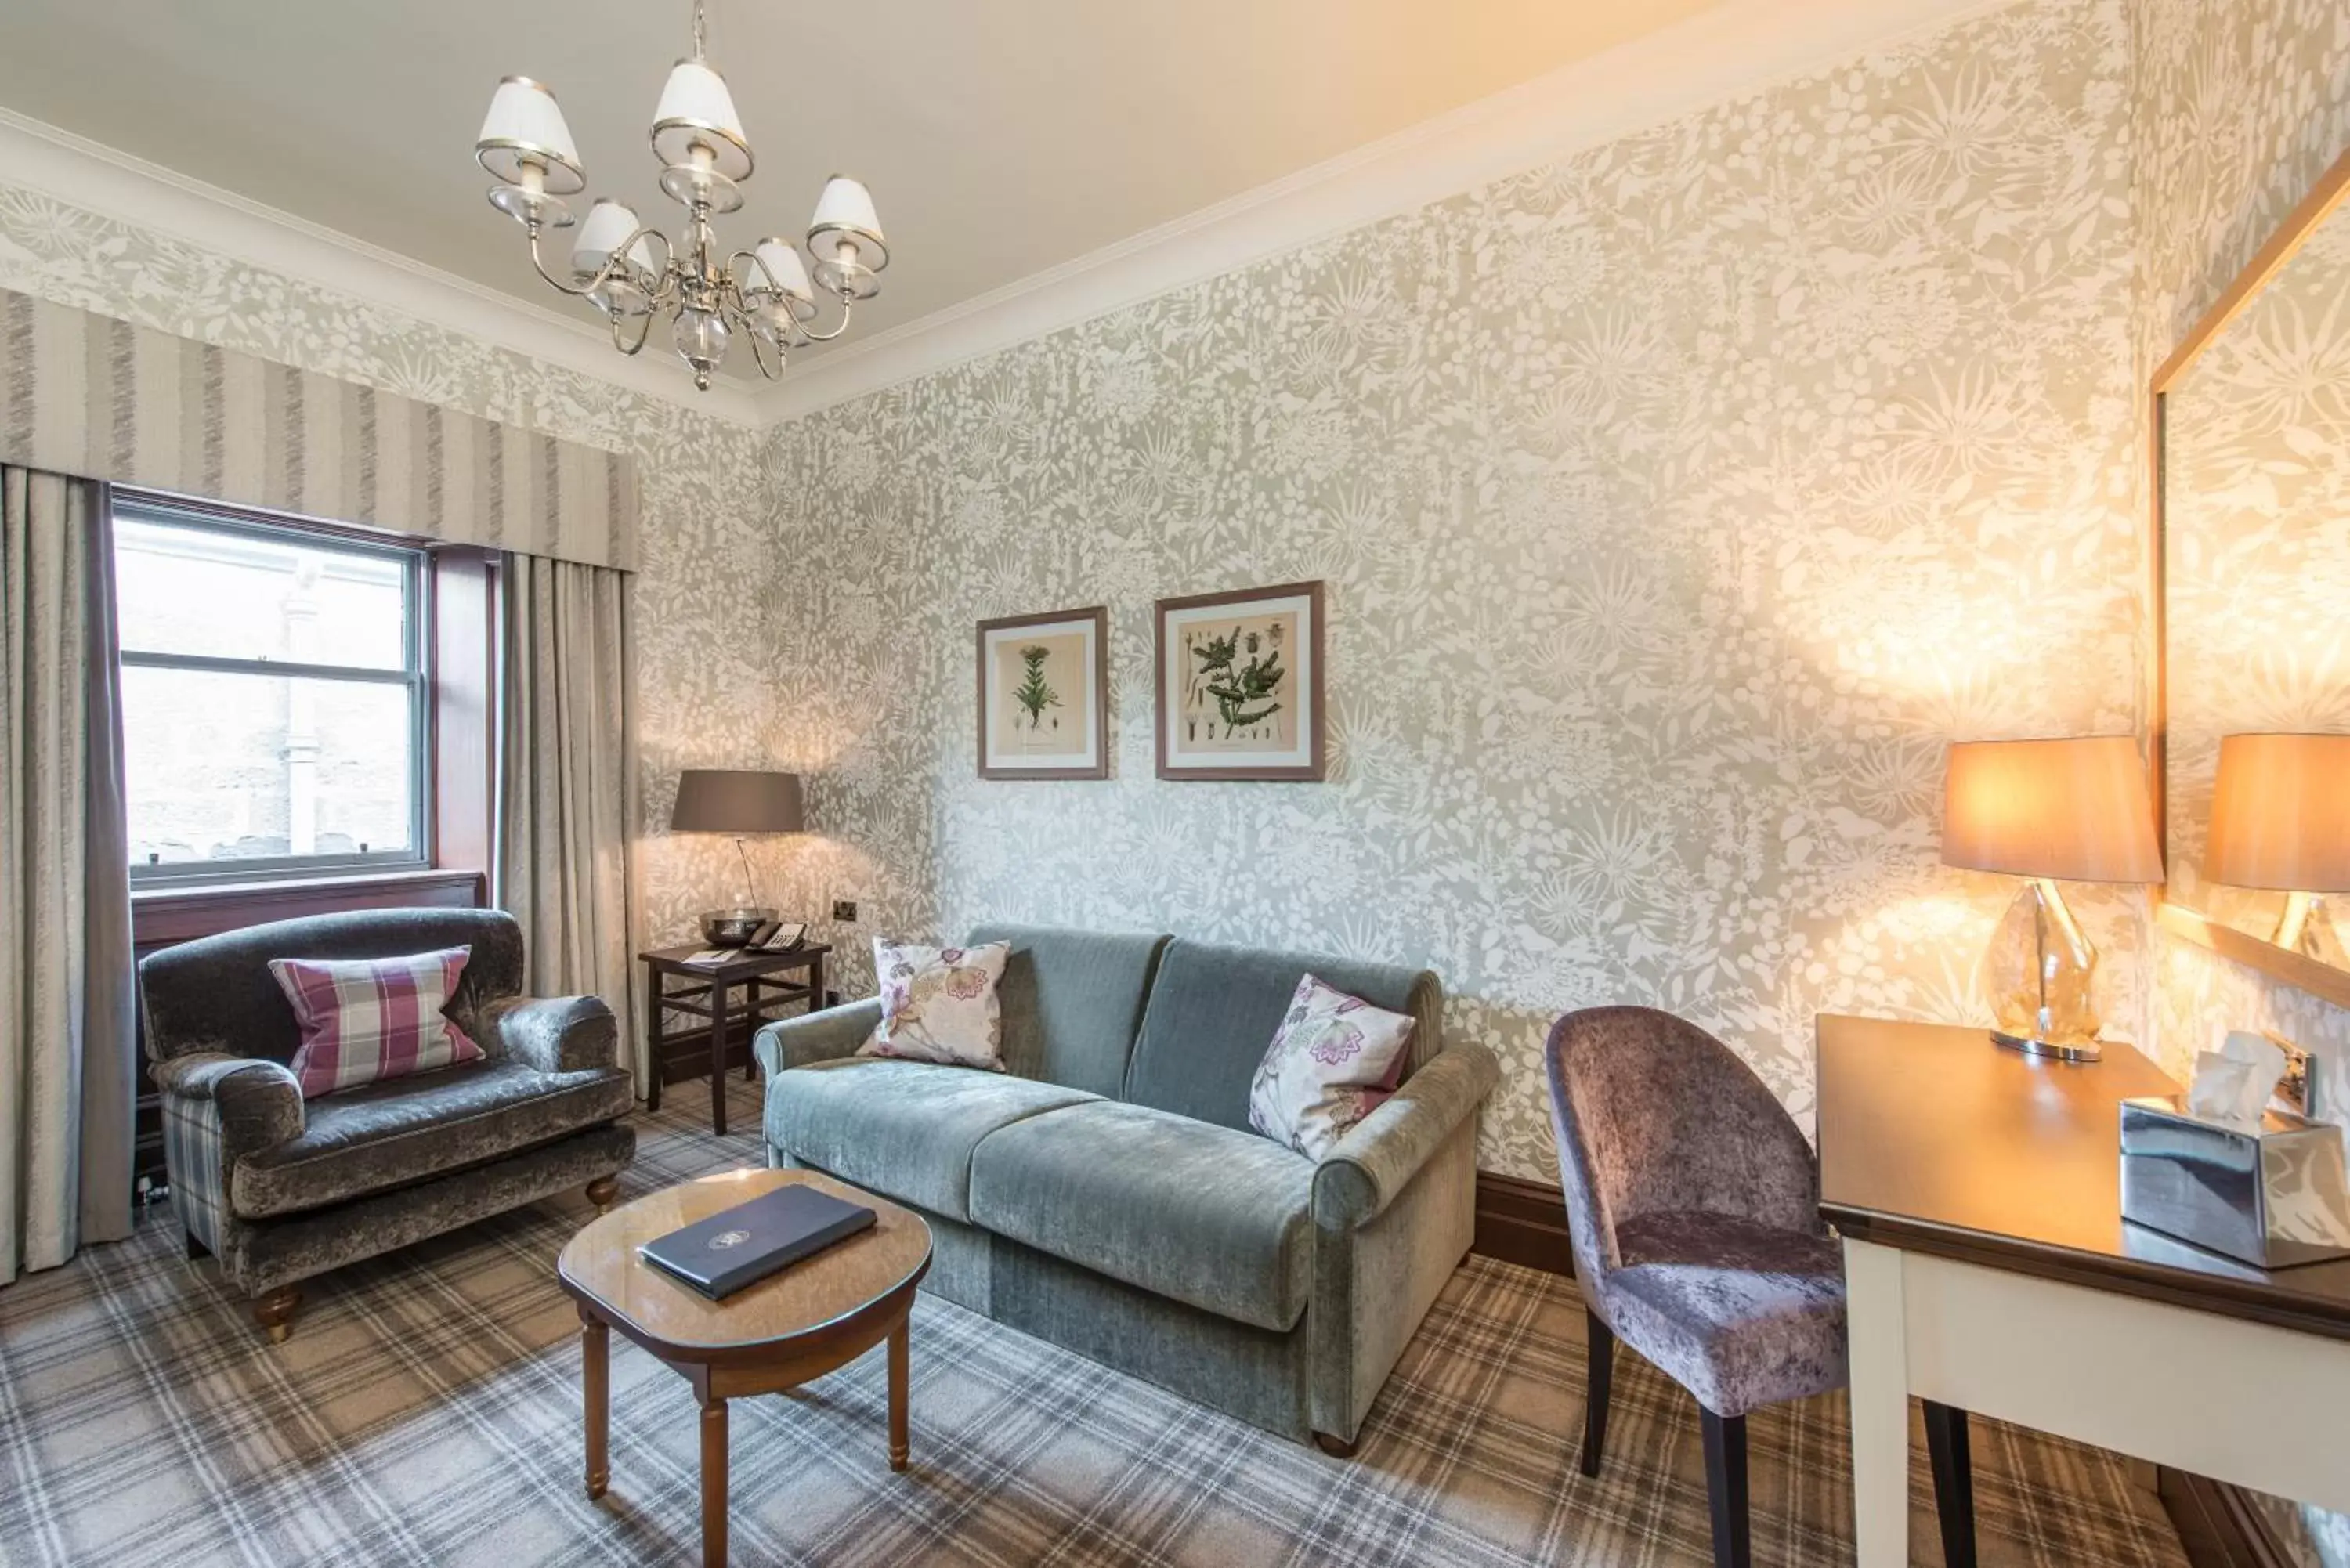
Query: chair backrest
(1651, 1114)
(1214, 1009)
(217, 994)
(1072, 1002)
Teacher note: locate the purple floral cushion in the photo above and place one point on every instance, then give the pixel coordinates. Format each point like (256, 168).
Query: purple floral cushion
(937, 1004)
(1334, 1058)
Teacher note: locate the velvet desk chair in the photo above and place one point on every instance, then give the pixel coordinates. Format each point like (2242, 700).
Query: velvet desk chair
(1693, 1203)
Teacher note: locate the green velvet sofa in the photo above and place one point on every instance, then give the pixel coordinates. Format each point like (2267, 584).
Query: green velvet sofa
(1106, 1193)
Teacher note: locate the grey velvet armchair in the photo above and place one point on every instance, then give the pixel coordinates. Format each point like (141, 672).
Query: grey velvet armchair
(280, 1189)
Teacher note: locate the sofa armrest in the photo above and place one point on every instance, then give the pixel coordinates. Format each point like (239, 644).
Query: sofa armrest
(218, 1109)
(554, 1034)
(823, 1036)
(1380, 1155)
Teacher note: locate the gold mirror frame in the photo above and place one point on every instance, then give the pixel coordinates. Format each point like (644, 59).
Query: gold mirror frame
(2192, 925)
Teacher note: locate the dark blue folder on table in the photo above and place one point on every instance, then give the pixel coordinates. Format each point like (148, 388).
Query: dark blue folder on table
(743, 1245)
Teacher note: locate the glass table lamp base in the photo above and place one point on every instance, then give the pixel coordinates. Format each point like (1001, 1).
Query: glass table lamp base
(2038, 973)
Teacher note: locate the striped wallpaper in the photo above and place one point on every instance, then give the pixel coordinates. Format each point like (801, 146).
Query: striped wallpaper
(89, 395)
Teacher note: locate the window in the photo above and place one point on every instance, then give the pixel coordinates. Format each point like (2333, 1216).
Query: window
(275, 697)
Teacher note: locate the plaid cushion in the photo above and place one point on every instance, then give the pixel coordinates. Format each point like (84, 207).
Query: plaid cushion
(372, 1018)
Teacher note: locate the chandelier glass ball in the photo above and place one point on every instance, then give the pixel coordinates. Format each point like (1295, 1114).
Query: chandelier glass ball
(632, 271)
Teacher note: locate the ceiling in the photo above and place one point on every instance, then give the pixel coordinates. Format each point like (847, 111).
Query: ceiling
(1000, 138)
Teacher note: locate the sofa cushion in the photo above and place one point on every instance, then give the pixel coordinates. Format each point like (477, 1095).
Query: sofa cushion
(1072, 1002)
(1212, 1217)
(367, 1139)
(937, 1004)
(904, 1129)
(1335, 1061)
(1212, 1009)
(364, 1020)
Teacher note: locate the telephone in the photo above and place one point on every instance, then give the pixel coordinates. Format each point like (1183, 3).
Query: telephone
(778, 936)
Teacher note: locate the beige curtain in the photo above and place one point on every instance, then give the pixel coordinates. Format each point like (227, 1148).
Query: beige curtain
(65, 1039)
(567, 791)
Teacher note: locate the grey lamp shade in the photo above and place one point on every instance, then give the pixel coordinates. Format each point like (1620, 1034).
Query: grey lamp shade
(736, 800)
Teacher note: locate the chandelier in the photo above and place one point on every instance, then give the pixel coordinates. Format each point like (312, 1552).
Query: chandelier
(765, 291)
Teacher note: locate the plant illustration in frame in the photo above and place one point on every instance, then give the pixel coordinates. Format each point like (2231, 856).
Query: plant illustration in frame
(1240, 684)
(1043, 701)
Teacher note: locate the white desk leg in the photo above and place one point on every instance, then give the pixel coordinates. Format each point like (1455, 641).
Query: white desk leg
(1880, 1405)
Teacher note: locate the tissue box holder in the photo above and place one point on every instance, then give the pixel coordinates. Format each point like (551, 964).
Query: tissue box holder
(2273, 1198)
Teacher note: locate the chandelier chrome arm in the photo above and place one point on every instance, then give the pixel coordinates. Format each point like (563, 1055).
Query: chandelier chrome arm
(659, 294)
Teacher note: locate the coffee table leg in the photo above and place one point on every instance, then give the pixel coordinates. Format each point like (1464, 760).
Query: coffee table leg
(898, 1445)
(714, 1484)
(596, 1381)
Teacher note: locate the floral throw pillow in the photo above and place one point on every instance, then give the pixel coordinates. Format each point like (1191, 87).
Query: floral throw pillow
(1334, 1058)
(937, 1004)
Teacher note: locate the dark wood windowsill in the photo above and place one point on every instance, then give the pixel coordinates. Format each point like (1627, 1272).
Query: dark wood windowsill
(170, 914)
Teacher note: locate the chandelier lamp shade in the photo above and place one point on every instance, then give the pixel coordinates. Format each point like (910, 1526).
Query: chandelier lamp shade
(634, 273)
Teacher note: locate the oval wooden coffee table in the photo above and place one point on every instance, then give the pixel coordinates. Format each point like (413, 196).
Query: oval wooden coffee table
(819, 1313)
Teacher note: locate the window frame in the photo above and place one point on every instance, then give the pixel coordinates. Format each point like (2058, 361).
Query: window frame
(417, 674)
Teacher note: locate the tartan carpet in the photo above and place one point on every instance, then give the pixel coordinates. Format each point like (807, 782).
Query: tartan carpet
(426, 1412)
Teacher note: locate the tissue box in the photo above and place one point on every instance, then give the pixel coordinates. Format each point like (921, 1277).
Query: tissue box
(2273, 1198)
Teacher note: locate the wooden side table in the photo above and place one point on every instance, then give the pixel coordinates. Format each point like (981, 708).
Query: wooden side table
(818, 1315)
(739, 990)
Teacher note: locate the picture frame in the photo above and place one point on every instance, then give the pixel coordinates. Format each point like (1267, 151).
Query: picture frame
(1248, 663)
(1043, 695)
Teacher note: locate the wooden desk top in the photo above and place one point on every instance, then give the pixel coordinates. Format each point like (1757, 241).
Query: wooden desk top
(1935, 1140)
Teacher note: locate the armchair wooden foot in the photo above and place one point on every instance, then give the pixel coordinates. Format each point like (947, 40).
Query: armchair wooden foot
(275, 1310)
(1336, 1447)
(602, 1190)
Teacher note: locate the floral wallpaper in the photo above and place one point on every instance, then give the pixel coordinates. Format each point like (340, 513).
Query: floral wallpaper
(2238, 109)
(1677, 502)
(703, 695)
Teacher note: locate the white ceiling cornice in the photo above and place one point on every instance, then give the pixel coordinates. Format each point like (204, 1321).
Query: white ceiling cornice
(1738, 48)
(86, 174)
(1719, 55)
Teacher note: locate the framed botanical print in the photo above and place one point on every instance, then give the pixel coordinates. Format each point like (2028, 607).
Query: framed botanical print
(1043, 696)
(1240, 684)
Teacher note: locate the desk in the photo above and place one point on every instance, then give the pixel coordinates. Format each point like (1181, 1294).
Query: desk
(733, 995)
(1987, 1268)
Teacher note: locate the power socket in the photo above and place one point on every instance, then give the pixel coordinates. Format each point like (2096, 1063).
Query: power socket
(845, 911)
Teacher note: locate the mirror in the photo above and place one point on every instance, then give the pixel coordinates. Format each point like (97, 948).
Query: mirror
(2253, 526)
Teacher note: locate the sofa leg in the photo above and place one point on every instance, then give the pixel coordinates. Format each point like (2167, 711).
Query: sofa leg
(1336, 1447)
(196, 1249)
(602, 1190)
(1599, 1369)
(275, 1310)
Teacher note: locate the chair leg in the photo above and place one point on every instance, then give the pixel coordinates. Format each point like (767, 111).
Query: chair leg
(1599, 1370)
(602, 1190)
(274, 1310)
(1725, 1488)
(1336, 1447)
(1949, 1453)
(196, 1249)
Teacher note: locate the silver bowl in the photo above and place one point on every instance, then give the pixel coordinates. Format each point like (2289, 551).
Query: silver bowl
(732, 928)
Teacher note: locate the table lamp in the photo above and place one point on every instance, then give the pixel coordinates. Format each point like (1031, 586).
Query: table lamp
(739, 801)
(2074, 810)
(2281, 820)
